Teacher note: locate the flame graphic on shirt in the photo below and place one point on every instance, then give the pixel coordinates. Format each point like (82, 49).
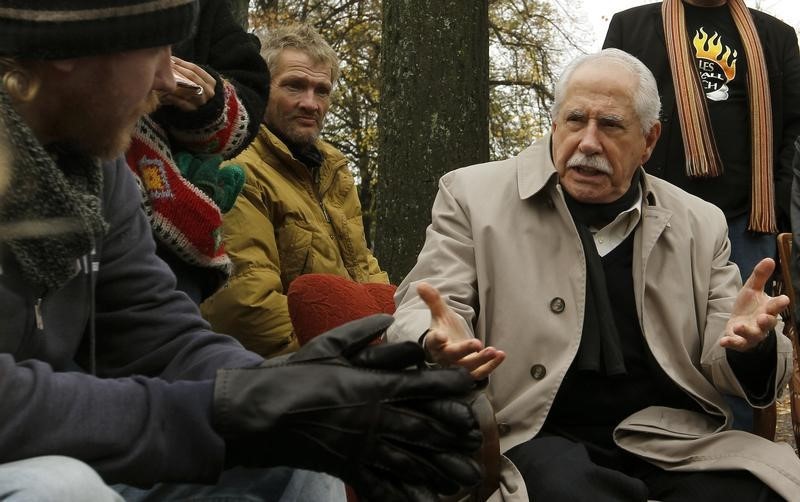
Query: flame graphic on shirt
(712, 49)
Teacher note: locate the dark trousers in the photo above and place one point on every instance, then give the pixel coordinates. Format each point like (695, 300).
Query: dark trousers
(557, 469)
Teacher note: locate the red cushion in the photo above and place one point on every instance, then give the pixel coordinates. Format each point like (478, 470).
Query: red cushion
(383, 294)
(320, 302)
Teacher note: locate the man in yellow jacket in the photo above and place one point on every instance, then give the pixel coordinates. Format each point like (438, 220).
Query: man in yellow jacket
(299, 211)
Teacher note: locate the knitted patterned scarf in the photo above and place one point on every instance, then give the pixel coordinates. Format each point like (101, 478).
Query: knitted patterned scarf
(51, 210)
(702, 156)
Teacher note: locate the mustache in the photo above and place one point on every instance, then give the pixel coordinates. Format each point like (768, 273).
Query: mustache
(597, 162)
(313, 116)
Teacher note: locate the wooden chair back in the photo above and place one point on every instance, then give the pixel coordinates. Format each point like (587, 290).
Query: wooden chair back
(790, 327)
(765, 420)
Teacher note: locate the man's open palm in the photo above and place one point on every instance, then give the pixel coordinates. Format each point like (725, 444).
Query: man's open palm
(754, 313)
(447, 344)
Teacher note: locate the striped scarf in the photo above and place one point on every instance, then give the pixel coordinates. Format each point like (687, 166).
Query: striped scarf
(702, 156)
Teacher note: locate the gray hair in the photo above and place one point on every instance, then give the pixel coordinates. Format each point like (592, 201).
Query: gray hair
(301, 37)
(646, 100)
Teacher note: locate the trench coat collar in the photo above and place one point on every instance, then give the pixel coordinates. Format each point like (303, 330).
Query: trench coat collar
(535, 168)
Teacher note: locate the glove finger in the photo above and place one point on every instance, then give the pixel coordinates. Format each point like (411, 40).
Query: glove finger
(377, 486)
(429, 384)
(424, 452)
(390, 356)
(461, 469)
(230, 181)
(419, 433)
(418, 493)
(184, 162)
(345, 340)
(445, 472)
(454, 415)
(372, 487)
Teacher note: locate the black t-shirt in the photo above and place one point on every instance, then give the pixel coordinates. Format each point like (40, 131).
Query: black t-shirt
(721, 62)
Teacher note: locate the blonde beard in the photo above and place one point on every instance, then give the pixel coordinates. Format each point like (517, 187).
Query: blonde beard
(119, 143)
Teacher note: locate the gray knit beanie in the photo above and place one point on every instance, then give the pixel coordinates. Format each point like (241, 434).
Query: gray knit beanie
(61, 29)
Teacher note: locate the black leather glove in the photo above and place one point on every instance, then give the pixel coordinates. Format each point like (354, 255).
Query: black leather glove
(342, 406)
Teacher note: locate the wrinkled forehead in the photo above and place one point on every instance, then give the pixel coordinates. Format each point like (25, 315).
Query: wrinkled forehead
(601, 85)
(294, 62)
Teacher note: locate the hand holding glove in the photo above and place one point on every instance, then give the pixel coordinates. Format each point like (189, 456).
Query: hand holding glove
(342, 406)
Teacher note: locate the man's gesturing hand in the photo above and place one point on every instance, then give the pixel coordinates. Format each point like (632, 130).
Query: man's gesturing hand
(446, 344)
(754, 313)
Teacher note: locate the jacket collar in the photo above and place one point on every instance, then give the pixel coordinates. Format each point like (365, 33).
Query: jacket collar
(535, 168)
(280, 150)
(332, 159)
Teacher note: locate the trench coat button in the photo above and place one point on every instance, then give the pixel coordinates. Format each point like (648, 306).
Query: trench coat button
(550, 203)
(557, 305)
(538, 371)
(503, 428)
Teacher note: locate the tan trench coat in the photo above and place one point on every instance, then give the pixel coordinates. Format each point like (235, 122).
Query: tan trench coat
(285, 224)
(503, 251)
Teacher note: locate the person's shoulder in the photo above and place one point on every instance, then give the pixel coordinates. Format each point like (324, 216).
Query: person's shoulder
(679, 201)
(485, 170)
(330, 152)
(259, 153)
(478, 181)
(770, 22)
(536, 154)
(639, 11)
(119, 184)
(669, 194)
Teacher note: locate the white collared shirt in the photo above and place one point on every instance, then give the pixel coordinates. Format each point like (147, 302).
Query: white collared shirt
(613, 234)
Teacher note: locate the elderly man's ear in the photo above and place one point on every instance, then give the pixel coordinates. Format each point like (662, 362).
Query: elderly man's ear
(650, 139)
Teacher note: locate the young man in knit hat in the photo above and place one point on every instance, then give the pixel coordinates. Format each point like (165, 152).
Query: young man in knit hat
(299, 211)
(106, 372)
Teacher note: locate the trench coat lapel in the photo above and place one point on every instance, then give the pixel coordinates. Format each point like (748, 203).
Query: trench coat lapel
(655, 220)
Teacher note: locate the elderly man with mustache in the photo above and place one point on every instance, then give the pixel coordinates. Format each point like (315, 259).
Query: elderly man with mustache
(626, 317)
(299, 212)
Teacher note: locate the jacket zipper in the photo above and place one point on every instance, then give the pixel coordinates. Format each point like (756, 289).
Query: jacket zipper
(324, 212)
(319, 196)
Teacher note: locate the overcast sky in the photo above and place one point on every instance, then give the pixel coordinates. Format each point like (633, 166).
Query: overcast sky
(595, 14)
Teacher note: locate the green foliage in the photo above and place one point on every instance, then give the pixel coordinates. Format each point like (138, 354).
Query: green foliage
(524, 46)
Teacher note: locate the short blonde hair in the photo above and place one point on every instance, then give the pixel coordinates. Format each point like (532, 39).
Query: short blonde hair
(303, 38)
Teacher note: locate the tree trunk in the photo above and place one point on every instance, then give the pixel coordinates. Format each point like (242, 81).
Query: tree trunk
(434, 114)
(239, 9)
